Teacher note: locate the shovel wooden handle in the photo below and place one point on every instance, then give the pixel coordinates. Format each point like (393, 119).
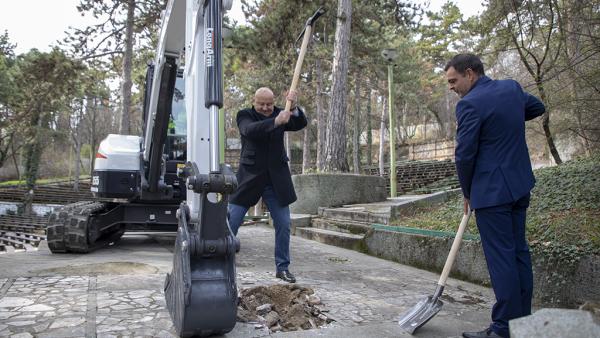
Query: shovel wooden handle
(454, 249)
(303, 48)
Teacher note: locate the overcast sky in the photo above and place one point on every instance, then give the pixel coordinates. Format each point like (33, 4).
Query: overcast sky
(40, 23)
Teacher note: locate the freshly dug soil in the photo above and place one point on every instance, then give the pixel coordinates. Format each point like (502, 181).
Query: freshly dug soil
(282, 308)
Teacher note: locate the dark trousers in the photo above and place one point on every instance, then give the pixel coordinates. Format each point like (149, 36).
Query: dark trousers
(502, 230)
(281, 223)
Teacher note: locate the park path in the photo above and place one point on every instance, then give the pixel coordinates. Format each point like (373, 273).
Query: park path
(117, 291)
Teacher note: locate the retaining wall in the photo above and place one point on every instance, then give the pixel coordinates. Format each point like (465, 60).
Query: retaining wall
(556, 284)
(331, 190)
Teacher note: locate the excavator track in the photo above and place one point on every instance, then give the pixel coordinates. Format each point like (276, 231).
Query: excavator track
(68, 228)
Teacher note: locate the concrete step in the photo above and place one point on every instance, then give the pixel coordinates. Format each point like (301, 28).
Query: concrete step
(298, 221)
(357, 213)
(339, 239)
(341, 225)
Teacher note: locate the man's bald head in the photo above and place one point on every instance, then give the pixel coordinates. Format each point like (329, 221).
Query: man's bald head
(263, 101)
(264, 91)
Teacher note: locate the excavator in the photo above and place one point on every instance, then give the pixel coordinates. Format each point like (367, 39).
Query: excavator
(171, 178)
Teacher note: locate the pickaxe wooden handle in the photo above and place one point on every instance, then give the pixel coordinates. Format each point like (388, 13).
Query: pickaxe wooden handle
(307, 34)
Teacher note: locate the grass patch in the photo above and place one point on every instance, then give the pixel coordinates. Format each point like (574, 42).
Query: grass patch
(441, 217)
(563, 217)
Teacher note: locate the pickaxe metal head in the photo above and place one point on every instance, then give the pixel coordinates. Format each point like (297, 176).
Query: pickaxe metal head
(311, 21)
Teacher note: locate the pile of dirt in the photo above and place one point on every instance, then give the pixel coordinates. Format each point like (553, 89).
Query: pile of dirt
(282, 308)
(593, 307)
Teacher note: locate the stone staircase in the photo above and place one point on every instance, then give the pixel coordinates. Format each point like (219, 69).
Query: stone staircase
(346, 226)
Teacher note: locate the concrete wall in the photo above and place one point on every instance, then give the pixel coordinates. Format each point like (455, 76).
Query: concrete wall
(563, 284)
(557, 284)
(429, 251)
(328, 190)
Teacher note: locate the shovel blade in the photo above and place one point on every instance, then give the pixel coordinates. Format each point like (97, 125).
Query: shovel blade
(420, 314)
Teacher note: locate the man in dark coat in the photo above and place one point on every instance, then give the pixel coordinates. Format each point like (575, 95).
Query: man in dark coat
(264, 170)
(494, 170)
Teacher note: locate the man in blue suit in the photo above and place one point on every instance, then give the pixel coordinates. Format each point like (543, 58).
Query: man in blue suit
(494, 170)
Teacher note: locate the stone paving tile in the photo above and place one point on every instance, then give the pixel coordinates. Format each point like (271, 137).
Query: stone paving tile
(46, 297)
(130, 301)
(47, 326)
(33, 306)
(38, 305)
(355, 290)
(136, 324)
(130, 282)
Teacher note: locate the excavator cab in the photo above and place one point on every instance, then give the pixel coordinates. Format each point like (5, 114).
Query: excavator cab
(175, 147)
(117, 167)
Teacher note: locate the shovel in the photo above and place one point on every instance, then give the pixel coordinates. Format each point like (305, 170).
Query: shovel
(430, 306)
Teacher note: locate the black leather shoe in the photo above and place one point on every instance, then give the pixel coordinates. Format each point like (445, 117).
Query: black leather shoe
(286, 276)
(487, 333)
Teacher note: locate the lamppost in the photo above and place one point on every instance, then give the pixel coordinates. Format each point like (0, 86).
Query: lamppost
(390, 54)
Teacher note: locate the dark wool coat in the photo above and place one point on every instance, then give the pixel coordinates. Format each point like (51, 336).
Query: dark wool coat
(263, 159)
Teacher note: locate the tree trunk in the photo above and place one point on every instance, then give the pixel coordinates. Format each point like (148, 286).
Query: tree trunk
(356, 132)
(403, 129)
(33, 152)
(5, 148)
(76, 135)
(306, 151)
(369, 130)
(77, 169)
(381, 137)
(76, 166)
(335, 150)
(16, 163)
(321, 118)
(93, 114)
(546, 124)
(6, 139)
(124, 127)
(449, 129)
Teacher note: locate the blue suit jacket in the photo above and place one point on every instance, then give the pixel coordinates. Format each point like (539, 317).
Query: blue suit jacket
(492, 160)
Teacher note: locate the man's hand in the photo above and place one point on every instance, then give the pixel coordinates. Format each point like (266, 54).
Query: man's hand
(466, 206)
(292, 96)
(283, 118)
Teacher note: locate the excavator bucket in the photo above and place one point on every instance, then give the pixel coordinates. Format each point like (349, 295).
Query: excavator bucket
(201, 291)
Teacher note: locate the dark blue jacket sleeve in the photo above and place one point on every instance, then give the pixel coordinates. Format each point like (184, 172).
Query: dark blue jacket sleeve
(467, 144)
(533, 107)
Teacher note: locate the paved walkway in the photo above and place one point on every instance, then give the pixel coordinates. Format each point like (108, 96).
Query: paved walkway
(117, 291)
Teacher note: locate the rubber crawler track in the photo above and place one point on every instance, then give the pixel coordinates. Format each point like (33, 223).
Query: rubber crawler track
(67, 229)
